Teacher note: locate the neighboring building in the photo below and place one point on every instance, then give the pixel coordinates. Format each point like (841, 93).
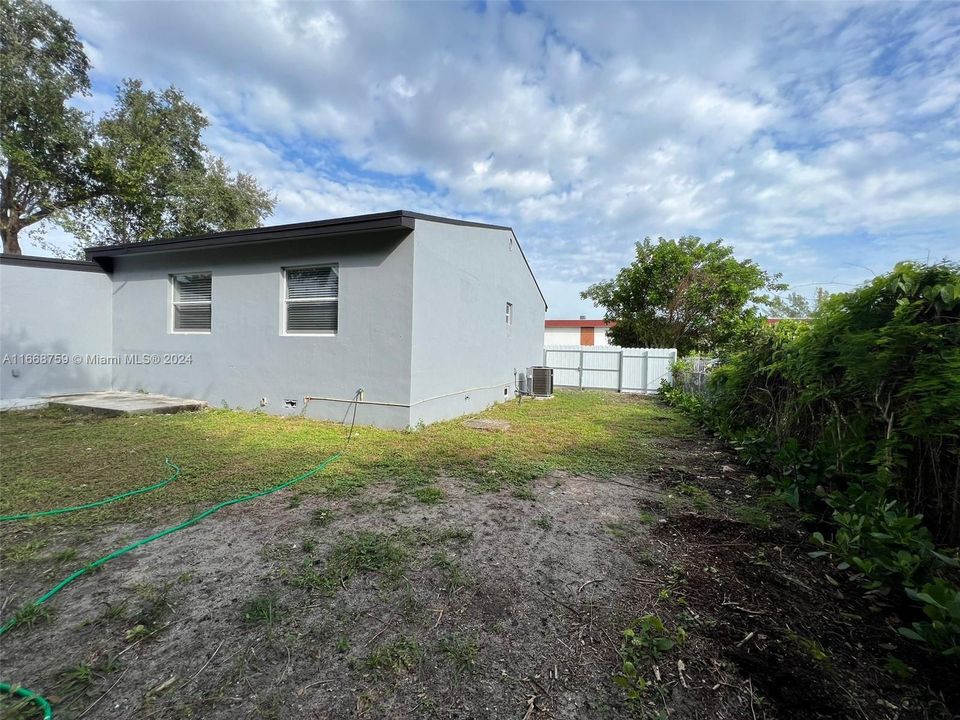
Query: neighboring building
(430, 316)
(576, 332)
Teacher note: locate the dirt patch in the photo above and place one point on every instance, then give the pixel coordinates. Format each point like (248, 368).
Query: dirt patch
(498, 599)
(504, 604)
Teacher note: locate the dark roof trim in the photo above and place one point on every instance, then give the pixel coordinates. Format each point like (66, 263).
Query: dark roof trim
(577, 324)
(49, 262)
(397, 220)
(530, 270)
(231, 238)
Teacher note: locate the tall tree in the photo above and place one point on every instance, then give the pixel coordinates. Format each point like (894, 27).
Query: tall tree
(166, 182)
(682, 293)
(795, 305)
(140, 172)
(45, 162)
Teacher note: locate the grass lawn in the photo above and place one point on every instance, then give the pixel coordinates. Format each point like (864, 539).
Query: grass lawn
(602, 558)
(53, 458)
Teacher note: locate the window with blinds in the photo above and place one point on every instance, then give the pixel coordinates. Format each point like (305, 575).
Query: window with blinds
(192, 301)
(311, 299)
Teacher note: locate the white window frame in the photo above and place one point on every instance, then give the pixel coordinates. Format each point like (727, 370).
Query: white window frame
(509, 313)
(284, 301)
(172, 316)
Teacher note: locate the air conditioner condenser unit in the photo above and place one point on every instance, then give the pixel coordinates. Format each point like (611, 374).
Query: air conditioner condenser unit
(540, 381)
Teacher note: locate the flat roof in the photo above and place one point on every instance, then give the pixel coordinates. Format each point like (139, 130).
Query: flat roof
(577, 323)
(49, 262)
(270, 233)
(402, 221)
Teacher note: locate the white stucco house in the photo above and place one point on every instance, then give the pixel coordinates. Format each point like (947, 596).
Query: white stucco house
(431, 317)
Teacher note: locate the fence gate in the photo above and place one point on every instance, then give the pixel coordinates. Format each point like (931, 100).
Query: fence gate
(609, 367)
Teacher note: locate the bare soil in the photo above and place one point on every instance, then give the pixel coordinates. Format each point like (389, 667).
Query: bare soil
(493, 605)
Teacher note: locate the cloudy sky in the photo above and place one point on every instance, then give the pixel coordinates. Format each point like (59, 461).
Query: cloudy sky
(821, 140)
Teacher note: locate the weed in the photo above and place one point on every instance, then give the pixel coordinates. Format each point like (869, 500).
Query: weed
(294, 502)
(343, 644)
(544, 522)
(409, 604)
(309, 578)
(809, 646)
(899, 669)
(753, 515)
(621, 530)
(24, 552)
(702, 500)
(308, 545)
(397, 502)
(454, 533)
(363, 552)
(137, 632)
(77, 676)
(273, 552)
(460, 650)
(646, 558)
(114, 611)
(644, 641)
(64, 556)
(155, 604)
(523, 492)
(367, 552)
(16, 709)
(488, 484)
(453, 574)
(31, 614)
(321, 516)
(263, 609)
(431, 495)
(110, 664)
(402, 655)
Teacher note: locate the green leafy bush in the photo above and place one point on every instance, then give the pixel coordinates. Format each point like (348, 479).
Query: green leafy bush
(941, 604)
(644, 641)
(856, 415)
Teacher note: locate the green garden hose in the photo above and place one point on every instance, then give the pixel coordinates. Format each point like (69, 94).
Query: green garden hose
(167, 531)
(98, 503)
(39, 700)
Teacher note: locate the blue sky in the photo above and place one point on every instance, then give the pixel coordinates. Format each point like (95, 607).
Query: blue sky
(821, 140)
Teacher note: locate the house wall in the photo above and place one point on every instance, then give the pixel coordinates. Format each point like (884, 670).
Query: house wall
(571, 336)
(60, 312)
(464, 354)
(245, 357)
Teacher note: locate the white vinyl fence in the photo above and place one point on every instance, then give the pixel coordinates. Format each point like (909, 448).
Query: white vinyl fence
(609, 367)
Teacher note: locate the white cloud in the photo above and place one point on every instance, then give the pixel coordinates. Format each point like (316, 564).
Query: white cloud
(809, 135)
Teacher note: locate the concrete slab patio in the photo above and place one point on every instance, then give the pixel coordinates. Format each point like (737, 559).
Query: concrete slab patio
(125, 403)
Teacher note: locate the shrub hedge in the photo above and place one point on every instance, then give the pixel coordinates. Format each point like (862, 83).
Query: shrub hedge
(856, 414)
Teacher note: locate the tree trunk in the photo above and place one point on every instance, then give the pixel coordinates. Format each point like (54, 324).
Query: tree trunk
(11, 241)
(9, 213)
